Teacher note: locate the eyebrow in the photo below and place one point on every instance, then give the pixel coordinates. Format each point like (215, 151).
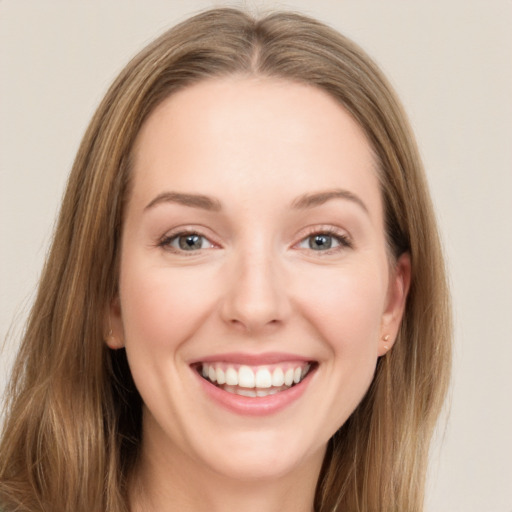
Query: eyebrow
(303, 202)
(318, 198)
(192, 200)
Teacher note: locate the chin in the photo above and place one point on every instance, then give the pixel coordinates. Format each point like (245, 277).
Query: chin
(258, 457)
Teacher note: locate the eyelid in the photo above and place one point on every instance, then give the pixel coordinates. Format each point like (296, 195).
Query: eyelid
(344, 238)
(165, 240)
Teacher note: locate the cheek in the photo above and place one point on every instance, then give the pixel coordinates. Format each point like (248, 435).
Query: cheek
(346, 308)
(161, 307)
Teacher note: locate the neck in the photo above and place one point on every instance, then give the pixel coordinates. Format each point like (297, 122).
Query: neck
(172, 482)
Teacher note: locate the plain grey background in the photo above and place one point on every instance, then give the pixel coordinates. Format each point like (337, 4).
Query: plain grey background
(451, 63)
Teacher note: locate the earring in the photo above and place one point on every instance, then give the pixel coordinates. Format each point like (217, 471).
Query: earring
(386, 338)
(111, 339)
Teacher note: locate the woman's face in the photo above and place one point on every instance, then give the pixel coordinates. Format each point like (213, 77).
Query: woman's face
(255, 287)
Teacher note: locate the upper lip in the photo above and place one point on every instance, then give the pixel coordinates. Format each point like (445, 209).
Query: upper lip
(252, 359)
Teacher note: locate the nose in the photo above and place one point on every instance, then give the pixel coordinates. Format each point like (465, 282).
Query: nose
(256, 298)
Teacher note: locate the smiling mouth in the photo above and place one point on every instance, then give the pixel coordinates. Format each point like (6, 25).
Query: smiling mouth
(255, 381)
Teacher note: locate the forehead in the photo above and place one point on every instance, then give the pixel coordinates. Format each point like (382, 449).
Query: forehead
(252, 135)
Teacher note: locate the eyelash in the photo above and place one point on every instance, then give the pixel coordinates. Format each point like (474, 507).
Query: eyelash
(166, 241)
(344, 241)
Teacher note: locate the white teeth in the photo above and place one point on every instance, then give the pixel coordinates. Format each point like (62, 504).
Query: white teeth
(266, 392)
(251, 392)
(278, 377)
(246, 392)
(231, 377)
(246, 377)
(288, 377)
(263, 379)
(221, 376)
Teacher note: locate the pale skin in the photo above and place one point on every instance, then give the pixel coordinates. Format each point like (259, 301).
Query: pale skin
(278, 187)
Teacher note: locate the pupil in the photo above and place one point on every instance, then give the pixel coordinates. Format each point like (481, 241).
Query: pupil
(189, 242)
(321, 242)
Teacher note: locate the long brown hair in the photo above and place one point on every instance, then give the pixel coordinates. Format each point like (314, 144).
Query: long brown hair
(73, 418)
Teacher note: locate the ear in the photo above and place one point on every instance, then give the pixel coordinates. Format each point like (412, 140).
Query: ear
(399, 283)
(114, 325)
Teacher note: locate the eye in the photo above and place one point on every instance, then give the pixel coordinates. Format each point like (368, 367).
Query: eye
(186, 242)
(324, 241)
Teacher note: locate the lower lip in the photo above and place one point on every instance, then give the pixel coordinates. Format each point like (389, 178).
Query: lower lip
(255, 406)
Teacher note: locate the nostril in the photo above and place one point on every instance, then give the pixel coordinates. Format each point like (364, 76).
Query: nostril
(253, 324)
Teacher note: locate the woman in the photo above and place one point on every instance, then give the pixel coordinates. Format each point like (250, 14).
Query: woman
(245, 303)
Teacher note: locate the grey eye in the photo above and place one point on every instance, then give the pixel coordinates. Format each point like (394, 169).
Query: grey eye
(190, 242)
(321, 242)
